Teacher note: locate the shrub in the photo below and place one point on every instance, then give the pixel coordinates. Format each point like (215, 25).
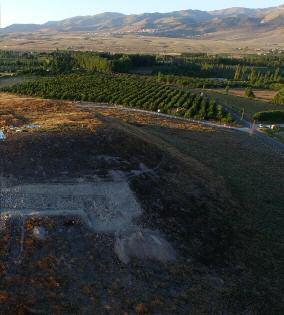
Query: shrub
(249, 93)
(273, 116)
(279, 98)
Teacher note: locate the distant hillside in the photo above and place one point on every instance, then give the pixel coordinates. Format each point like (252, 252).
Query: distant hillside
(185, 23)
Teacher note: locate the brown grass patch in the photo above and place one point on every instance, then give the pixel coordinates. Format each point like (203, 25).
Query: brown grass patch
(150, 119)
(264, 95)
(228, 41)
(50, 115)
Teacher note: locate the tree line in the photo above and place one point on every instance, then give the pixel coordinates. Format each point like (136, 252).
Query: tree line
(234, 72)
(273, 116)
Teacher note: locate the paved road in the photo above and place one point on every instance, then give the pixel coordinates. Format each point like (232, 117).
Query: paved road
(278, 146)
(238, 118)
(275, 145)
(260, 134)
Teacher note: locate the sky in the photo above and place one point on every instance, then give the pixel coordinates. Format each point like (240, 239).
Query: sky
(40, 11)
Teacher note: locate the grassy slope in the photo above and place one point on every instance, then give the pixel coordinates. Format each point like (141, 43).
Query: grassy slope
(10, 81)
(248, 165)
(237, 171)
(250, 170)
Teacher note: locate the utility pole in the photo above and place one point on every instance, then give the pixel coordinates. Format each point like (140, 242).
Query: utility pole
(252, 129)
(243, 114)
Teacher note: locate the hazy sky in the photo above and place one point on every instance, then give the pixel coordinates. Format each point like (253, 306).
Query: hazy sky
(39, 11)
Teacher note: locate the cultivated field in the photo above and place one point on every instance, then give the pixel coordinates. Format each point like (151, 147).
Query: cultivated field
(240, 103)
(127, 90)
(263, 95)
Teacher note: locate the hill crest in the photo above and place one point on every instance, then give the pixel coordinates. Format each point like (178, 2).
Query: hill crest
(185, 23)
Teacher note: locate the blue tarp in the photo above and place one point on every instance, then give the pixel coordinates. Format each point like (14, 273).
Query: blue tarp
(2, 135)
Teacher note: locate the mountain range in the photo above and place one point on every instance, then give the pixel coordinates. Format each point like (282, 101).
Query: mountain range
(186, 23)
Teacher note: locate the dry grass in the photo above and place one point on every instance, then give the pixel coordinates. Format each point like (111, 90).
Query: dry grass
(241, 42)
(149, 119)
(263, 95)
(52, 115)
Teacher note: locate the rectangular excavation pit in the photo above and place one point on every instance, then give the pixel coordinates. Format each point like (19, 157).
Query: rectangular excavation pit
(105, 206)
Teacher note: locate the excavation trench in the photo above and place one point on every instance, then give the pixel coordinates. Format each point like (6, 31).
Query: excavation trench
(104, 206)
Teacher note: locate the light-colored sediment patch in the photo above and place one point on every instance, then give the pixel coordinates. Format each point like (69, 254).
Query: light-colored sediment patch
(109, 206)
(106, 206)
(143, 244)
